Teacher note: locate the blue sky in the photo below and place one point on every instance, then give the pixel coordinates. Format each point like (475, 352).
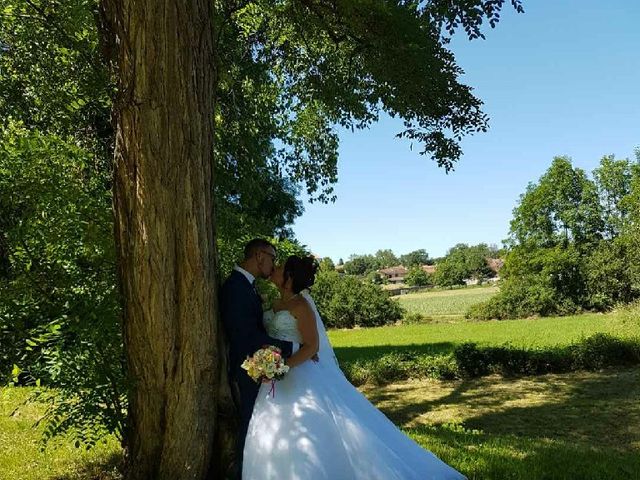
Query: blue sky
(561, 79)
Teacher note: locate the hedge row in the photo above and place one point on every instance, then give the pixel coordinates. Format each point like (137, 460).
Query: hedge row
(470, 360)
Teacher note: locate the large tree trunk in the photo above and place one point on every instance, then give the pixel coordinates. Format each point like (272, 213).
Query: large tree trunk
(165, 232)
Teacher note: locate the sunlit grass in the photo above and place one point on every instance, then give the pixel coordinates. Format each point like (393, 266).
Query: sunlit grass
(23, 458)
(444, 337)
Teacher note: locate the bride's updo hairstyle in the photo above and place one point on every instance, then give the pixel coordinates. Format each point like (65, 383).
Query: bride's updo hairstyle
(302, 272)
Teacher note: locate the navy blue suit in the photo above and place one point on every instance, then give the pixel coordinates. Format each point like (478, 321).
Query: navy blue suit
(241, 312)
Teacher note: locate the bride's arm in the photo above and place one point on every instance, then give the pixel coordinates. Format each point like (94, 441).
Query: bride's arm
(308, 330)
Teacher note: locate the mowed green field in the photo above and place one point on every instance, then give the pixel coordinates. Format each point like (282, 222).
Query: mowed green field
(557, 426)
(444, 337)
(445, 304)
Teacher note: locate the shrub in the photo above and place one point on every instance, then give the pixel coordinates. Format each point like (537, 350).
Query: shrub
(413, 318)
(417, 277)
(443, 367)
(347, 302)
(397, 366)
(602, 350)
(544, 281)
(471, 361)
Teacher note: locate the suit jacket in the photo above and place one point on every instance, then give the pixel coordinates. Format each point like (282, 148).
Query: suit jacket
(241, 312)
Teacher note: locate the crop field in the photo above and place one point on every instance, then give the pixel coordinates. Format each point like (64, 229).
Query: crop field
(445, 304)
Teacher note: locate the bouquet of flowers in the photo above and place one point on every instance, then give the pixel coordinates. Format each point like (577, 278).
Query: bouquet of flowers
(266, 365)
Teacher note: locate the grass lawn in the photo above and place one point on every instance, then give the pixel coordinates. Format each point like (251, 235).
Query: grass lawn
(443, 337)
(583, 425)
(21, 456)
(580, 425)
(443, 305)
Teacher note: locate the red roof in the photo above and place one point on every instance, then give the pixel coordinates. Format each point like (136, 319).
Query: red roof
(399, 270)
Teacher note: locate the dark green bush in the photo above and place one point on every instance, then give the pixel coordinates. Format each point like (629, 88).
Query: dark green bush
(347, 302)
(398, 366)
(602, 350)
(59, 306)
(471, 361)
(443, 367)
(538, 282)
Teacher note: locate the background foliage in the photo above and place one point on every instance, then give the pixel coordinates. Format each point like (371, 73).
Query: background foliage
(574, 243)
(347, 302)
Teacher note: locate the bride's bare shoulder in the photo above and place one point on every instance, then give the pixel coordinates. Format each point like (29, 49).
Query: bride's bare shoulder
(299, 306)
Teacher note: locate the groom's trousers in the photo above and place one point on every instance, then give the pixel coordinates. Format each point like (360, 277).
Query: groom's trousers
(247, 391)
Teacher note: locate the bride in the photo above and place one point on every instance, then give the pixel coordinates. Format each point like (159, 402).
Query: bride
(317, 425)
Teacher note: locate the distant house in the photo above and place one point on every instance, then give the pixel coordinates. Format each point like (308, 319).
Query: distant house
(430, 269)
(494, 264)
(394, 274)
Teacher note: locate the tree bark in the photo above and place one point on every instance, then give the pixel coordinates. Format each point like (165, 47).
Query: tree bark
(164, 222)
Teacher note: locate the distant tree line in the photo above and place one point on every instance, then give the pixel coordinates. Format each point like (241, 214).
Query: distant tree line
(365, 264)
(462, 262)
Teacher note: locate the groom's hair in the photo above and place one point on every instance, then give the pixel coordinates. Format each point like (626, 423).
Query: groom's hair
(254, 246)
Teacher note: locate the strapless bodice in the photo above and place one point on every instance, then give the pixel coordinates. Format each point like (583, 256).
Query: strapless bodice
(282, 325)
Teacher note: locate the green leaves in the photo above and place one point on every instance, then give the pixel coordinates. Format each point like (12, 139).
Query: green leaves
(51, 74)
(464, 262)
(341, 63)
(15, 372)
(59, 308)
(347, 302)
(418, 277)
(562, 207)
(574, 243)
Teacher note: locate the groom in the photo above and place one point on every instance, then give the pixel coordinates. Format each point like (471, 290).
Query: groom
(241, 311)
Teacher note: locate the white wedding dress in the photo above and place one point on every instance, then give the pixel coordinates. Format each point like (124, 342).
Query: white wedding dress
(318, 426)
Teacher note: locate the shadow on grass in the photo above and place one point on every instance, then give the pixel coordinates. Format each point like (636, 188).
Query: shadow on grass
(482, 455)
(602, 412)
(584, 407)
(349, 354)
(579, 425)
(107, 468)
